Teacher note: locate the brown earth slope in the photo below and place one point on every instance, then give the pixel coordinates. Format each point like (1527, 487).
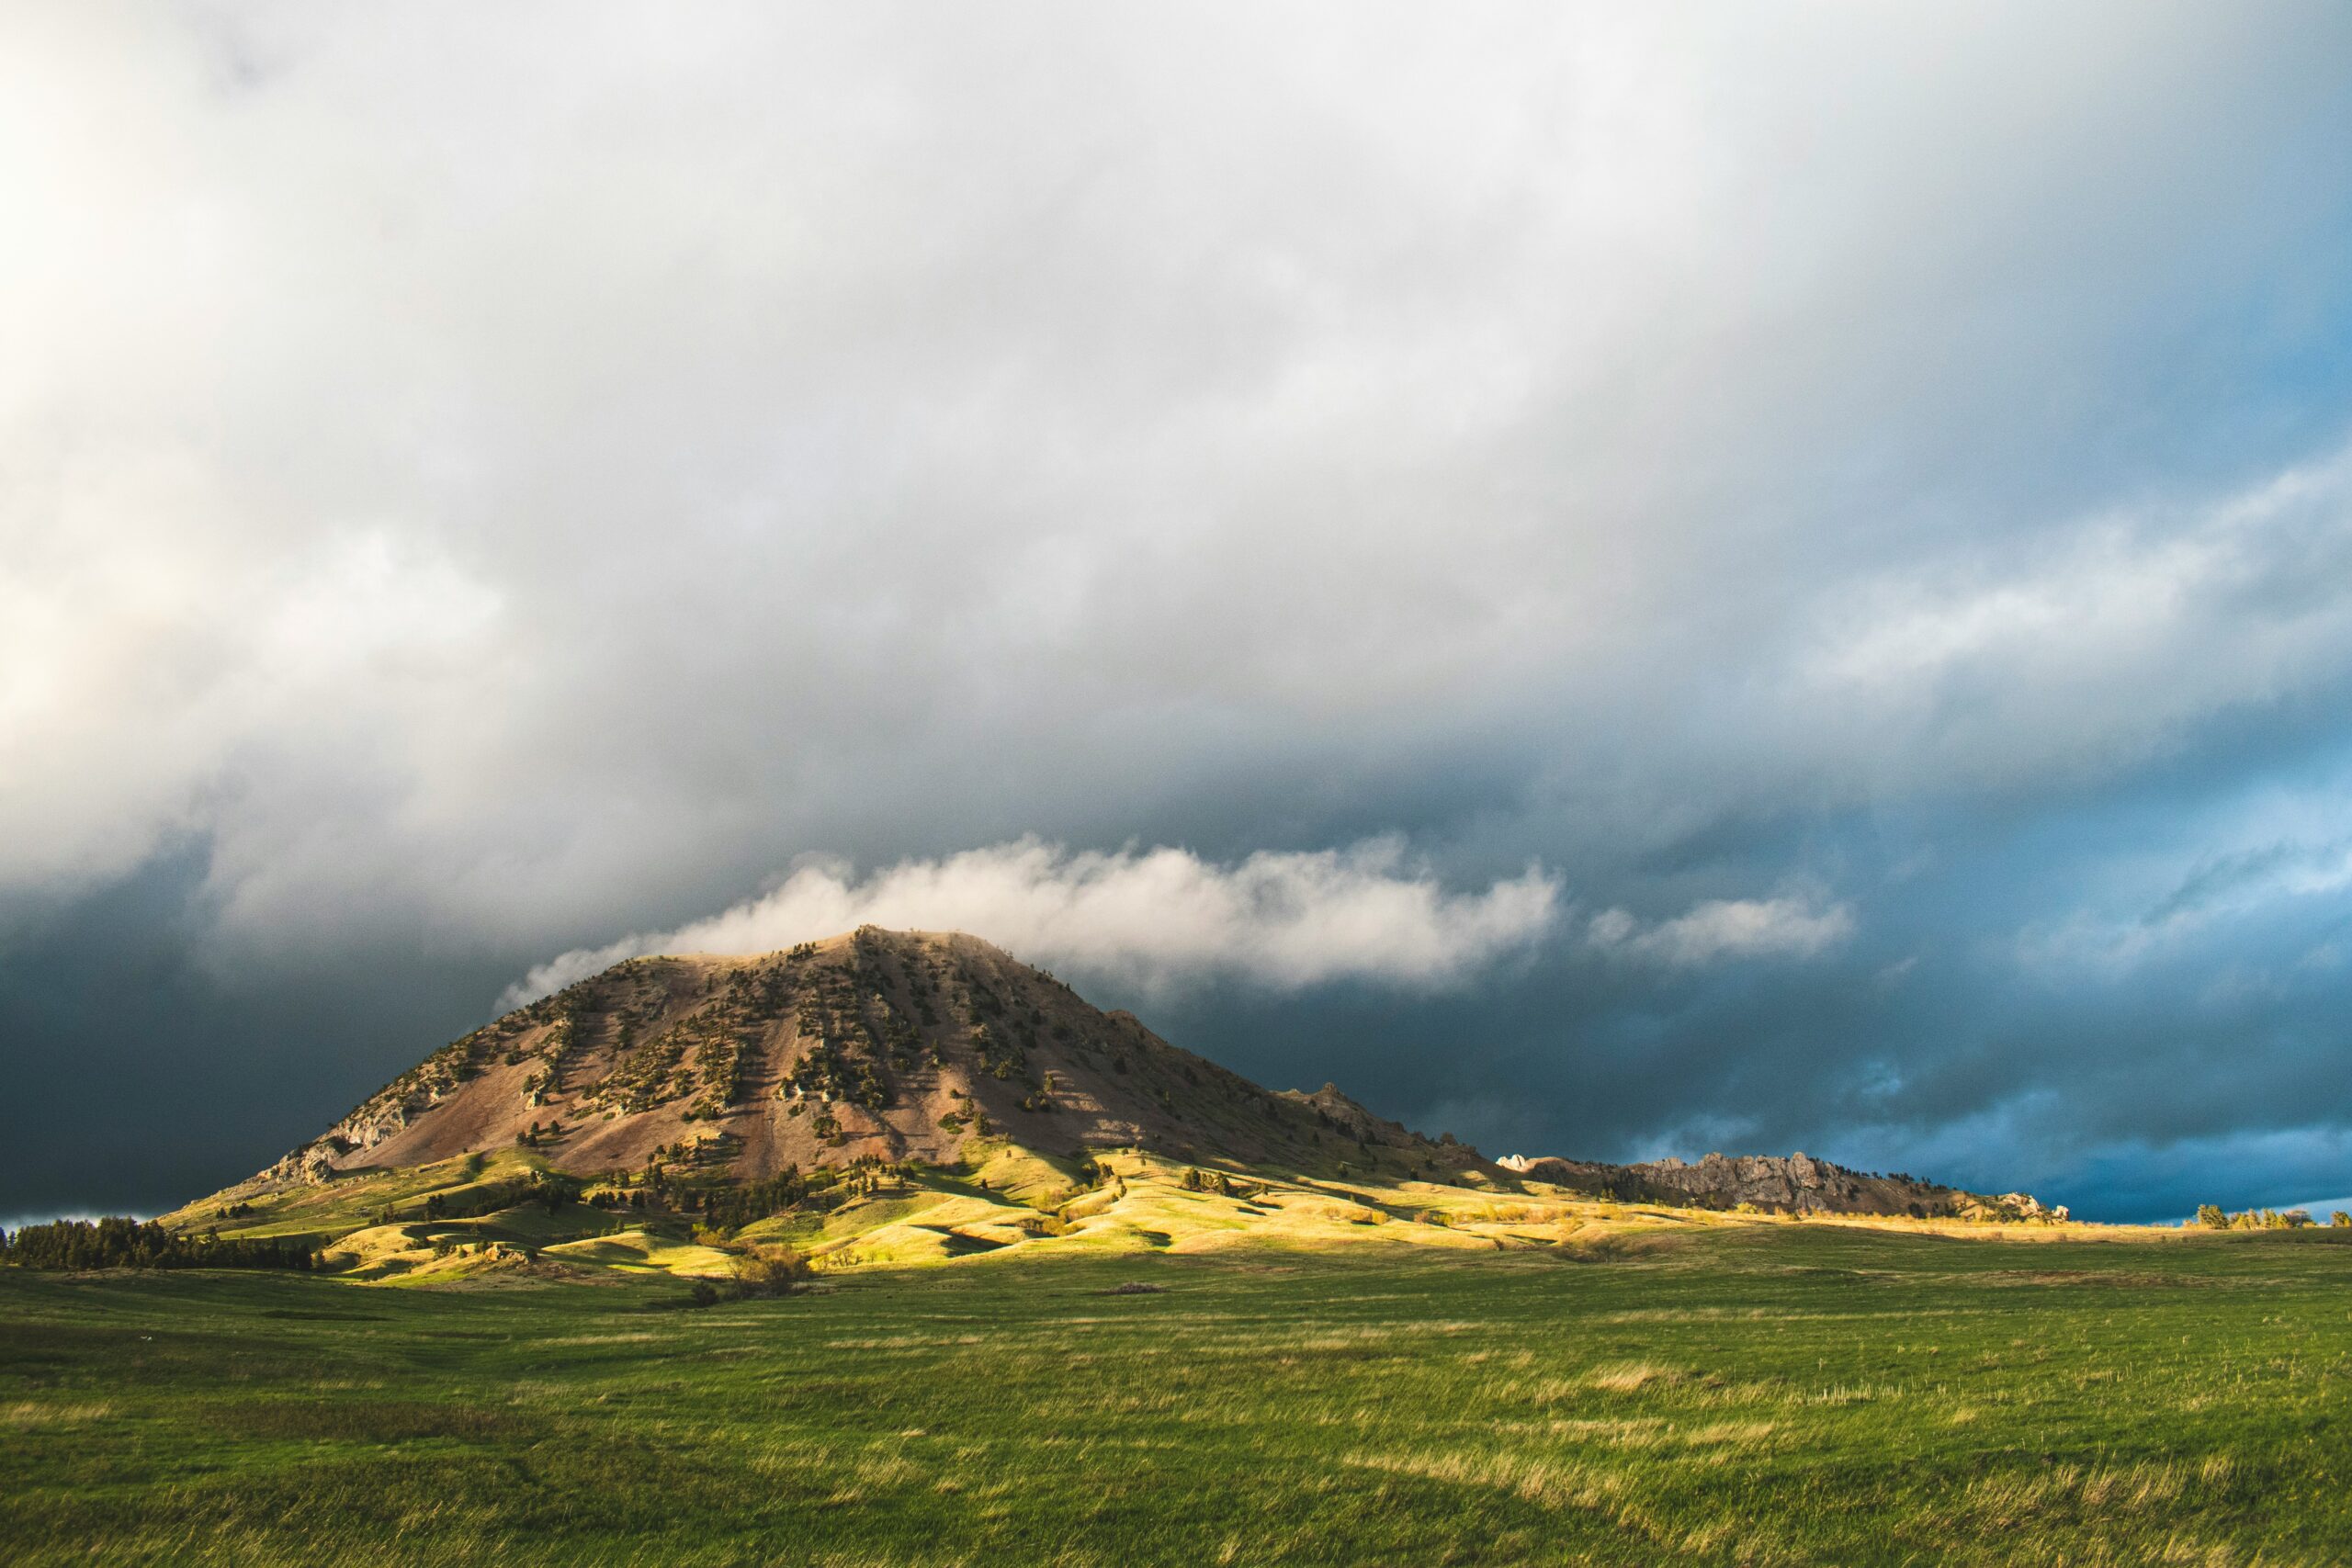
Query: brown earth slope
(896, 1045)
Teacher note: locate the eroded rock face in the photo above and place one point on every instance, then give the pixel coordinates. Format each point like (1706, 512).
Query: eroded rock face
(1794, 1183)
(1798, 1183)
(311, 1164)
(372, 1124)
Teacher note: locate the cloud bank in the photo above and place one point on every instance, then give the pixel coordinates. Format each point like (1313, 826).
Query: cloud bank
(1155, 917)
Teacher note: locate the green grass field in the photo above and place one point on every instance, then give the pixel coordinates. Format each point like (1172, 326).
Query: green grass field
(1762, 1394)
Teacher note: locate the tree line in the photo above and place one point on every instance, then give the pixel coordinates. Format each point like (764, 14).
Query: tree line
(118, 1241)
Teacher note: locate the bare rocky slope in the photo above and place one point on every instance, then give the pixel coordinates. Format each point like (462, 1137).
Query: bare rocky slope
(889, 1045)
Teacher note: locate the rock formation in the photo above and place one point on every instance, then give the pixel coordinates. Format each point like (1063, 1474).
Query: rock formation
(1795, 1184)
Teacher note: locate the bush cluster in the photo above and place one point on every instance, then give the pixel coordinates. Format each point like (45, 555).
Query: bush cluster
(759, 1271)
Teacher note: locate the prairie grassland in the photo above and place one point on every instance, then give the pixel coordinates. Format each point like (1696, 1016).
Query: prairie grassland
(1758, 1394)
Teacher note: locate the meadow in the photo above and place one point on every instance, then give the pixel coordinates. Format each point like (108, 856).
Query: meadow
(1766, 1394)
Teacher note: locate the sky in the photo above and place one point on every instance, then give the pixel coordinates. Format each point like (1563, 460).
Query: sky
(1617, 580)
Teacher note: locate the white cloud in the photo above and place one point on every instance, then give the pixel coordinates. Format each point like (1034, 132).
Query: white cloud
(1157, 917)
(1726, 929)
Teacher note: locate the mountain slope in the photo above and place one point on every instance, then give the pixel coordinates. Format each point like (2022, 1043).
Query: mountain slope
(887, 1047)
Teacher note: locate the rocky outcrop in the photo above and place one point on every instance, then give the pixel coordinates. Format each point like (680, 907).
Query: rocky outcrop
(313, 1164)
(2010, 1208)
(1793, 1184)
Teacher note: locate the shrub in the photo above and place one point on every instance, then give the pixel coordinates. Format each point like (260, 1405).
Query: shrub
(769, 1272)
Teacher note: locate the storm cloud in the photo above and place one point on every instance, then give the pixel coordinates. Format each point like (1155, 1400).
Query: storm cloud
(1859, 498)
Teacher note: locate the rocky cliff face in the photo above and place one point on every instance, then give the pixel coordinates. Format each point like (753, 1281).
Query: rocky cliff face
(1795, 1184)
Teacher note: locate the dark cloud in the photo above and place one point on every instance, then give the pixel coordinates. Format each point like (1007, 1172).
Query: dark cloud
(1862, 498)
(137, 1077)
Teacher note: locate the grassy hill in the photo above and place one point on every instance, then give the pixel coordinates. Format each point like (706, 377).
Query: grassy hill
(507, 1214)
